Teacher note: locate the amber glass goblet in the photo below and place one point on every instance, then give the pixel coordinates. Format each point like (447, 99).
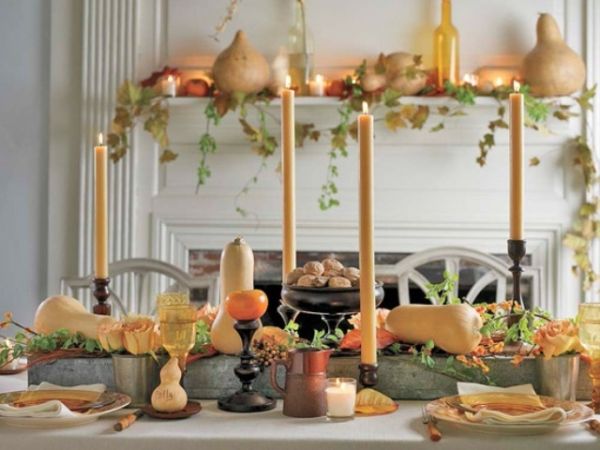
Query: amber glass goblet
(178, 331)
(589, 335)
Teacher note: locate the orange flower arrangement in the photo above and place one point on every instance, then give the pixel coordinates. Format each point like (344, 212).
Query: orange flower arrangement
(558, 337)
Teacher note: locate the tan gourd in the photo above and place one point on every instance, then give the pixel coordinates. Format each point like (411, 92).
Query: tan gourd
(169, 396)
(552, 68)
(236, 273)
(60, 311)
(453, 328)
(241, 68)
(398, 73)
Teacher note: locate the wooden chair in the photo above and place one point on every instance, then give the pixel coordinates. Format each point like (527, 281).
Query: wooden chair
(137, 281)
(492, 269)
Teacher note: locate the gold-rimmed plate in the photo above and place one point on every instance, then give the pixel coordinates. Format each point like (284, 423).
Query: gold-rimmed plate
(448, 409)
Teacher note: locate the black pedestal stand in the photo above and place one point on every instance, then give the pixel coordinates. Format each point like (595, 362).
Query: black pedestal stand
(516, 252)
(247, 399)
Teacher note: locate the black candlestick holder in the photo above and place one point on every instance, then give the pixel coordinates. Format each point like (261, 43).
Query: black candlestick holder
(247, 399)
(516, 252)
(101, 293)
(367, 374)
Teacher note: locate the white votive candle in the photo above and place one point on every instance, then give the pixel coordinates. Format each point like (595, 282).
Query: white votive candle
(341, 397)
(169, 86)
(317, 86)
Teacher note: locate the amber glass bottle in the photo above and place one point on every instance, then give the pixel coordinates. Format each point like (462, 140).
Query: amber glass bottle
(445, 47)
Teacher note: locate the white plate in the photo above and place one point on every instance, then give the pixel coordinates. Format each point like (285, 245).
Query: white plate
(120, 402)
(577, 413)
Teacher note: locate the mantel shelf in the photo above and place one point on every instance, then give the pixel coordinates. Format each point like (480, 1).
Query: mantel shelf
(481, 101)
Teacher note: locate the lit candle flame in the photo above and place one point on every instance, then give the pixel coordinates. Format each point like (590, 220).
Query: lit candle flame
(288, 81)
(498, 82)
(100, 139)
(516, 86)
(319, 79)
(365, 108)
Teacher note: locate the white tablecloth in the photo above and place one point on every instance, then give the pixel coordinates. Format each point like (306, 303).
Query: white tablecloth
(212, 429)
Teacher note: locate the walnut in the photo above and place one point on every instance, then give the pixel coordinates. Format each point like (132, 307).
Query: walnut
(351, 273)
(306, 280)
(320, 281)
(294, 275)
(332, 273)
(332, 264)
(314, 268)
(338, 282)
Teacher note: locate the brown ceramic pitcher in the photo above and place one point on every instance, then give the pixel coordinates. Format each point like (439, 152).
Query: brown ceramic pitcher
(305, 382)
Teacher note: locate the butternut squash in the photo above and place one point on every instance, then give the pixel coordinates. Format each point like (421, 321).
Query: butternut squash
(453, 328)
(552, 68)
(237, 273)
(60, 311)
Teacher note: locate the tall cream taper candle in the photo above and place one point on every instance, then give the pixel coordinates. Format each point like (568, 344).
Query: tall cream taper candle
(288, 174)
(516, 163)
(100, 208)
(368, 327)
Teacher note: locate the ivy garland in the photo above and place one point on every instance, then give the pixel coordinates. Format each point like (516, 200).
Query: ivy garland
(138, 103)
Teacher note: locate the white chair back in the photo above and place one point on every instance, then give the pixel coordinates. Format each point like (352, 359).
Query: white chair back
(136, 282)
(494, 270)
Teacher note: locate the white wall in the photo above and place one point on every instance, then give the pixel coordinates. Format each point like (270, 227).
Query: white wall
(24, 85)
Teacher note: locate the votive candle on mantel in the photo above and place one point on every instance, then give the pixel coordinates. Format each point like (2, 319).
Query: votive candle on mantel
(169, 86)
(516, 162)
(317, 86)
(368, 327)
(288, 175)
(100, 209)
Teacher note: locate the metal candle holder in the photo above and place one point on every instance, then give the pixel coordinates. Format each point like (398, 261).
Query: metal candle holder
(101, 293)
(516, 252)
(367, 374)
(247, 399)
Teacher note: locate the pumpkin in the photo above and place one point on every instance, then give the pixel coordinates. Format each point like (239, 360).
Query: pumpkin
(396, 71)
(236, 273)
(372, 82)
(453, 328)
(60, 311)
(169, 396)
(552, 68)
(241, 68)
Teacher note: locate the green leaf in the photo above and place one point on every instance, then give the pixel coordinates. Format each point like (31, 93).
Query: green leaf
(394, 120)
(167, 156)
(438, 127)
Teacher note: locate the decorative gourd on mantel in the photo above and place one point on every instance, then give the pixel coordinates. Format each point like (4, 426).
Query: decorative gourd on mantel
(552, 69)
(241, 68)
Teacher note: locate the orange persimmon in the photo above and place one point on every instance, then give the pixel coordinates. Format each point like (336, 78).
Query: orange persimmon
(247, 305)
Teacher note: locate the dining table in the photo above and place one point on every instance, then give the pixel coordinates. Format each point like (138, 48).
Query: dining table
(213, 429)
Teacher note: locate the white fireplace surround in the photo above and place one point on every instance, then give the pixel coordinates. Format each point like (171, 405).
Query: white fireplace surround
(429, 190)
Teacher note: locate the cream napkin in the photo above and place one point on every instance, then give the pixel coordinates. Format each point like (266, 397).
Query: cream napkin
(553, 415)
(52, 408)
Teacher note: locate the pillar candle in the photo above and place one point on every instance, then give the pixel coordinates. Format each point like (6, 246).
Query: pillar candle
(288, 175)
(516, 163)
(100, 207)
(169, 86)
(368, 327)
(317, 86)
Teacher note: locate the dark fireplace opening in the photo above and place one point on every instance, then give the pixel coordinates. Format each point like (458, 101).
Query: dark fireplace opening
(267, 276)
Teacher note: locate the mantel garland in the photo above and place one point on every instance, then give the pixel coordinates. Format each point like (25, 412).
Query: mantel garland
(144, 103)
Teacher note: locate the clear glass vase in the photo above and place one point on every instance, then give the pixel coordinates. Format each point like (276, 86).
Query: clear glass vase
(300, 50)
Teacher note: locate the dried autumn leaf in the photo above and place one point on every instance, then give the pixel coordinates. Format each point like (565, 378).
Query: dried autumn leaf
(438, 127)
(535, 161)
(394, 120)
(167, 156)
(420, 117)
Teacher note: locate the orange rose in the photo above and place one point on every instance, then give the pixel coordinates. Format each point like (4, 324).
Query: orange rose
(558, 337)
(207, 314)
(382, 313)
(140, 335)
(110, 336)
